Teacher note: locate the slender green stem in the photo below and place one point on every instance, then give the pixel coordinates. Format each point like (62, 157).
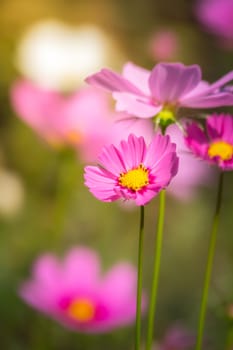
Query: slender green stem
(157, 260)
(209, 265)
(139, 283)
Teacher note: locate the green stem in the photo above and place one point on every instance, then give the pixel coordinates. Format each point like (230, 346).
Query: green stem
(229, 342)
(139, 278)
(209, 265)
(157, 260)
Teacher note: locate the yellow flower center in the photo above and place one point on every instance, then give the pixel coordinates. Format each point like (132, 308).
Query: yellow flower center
(135, 179)
(166, 115)
(74, 136)
(221, 149)
(81, 310)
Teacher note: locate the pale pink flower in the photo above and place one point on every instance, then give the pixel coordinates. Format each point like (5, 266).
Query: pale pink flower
(132, 170)
(74, 292)
(215, 145)
(83, 120)
(167, 87)
(192, 171)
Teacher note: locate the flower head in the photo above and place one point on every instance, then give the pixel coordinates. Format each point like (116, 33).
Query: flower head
(160, 92)
(82, 120)
(73, 292)
(216, 144)
(133, 170)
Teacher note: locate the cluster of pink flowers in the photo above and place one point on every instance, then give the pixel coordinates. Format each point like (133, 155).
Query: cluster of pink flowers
(134, 163)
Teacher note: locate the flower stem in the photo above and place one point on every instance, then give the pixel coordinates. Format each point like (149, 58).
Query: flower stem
(157, 260)
(229, 342)
(139, 283)
(209, 265)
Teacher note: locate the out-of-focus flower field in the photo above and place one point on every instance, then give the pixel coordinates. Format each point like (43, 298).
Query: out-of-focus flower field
(53, 45)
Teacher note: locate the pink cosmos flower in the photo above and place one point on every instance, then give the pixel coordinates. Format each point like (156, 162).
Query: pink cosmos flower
(192, 171)
(164, 89)
(216, 144)
(216, 16)
(83, 120)
(74, 293)
(133, 170)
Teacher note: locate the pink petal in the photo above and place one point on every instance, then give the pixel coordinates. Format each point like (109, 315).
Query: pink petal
(100, 184)
(196, 140)
(165, 169)
(220, 127)
(170, 81)
(156, 150)
(135, 105)
(112, 159)
(119, 285)
(138, 76)
(112, 81)
(81, 269)
(47, 270)
(209, 101)
(133, 151)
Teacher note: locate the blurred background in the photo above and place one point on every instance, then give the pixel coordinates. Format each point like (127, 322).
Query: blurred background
(44, 205)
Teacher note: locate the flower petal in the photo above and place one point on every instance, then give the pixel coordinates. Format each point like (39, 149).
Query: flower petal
(134, 150)
(137, 106)
(208, 101)
(112, 81)
(138, 76)
(100, 183)
(220, 127)
(81, 269)
(170, 81)
(196, 139)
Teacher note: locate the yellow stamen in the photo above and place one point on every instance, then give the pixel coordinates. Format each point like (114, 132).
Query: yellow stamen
(134, 179)
(221, 149)
(82, 310)
(166, 115)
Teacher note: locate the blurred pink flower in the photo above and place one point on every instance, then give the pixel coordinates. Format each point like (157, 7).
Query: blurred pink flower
(74, 293)
(192, 171)
(167, 87)
(217, 17)
(132, 170)
(83, 120)
(216, 144)
(164, 45)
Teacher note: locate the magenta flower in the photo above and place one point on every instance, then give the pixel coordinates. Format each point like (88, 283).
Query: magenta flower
(192, 171)
(133, 170)
(216, 16)
(216, 144)
(74, 293)
(164, 89)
